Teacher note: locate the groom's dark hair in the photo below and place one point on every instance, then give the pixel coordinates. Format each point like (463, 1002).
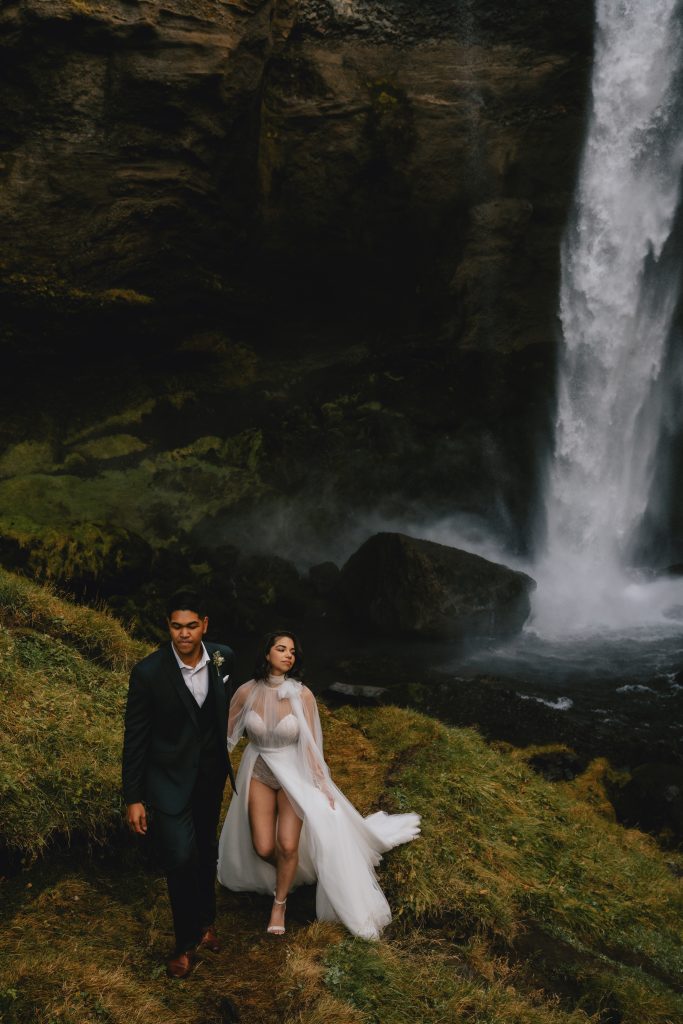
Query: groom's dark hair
(186, 601)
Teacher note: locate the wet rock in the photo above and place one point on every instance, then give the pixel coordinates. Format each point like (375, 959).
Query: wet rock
(652, 799)
(557, 765)
(244, 594)
(401, 585)
(350, 693)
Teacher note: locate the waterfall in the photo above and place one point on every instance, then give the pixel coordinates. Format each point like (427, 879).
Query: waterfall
(618, 297)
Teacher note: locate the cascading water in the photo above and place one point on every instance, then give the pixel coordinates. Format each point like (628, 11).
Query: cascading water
(616, 306)
(604, 649)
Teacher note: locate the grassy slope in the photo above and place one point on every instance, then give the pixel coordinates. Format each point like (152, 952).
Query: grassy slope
(63, 688)
(516, 885)
(521, 902)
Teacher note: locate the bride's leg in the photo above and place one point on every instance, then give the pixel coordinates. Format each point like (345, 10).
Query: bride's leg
(262, 819)
(286, 853)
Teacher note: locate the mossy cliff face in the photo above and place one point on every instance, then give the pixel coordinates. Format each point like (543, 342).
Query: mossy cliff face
(272, 269)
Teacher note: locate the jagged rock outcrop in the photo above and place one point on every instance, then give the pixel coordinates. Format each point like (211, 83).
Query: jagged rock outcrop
(402, 586)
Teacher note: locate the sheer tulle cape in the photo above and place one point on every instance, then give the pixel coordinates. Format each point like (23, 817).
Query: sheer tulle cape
(338, 847)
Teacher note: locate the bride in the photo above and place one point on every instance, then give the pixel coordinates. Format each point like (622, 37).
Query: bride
(288, 823)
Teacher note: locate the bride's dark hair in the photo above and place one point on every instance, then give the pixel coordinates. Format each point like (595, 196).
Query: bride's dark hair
(262, 666)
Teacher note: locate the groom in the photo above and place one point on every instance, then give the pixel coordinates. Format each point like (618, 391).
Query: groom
(175, 763)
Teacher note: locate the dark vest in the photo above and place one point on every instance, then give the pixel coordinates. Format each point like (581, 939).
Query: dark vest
(210, 751)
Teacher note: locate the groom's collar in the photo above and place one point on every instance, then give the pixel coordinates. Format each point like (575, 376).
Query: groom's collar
(204, 660)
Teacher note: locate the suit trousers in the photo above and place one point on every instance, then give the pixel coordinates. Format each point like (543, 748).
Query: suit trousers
(189, 851)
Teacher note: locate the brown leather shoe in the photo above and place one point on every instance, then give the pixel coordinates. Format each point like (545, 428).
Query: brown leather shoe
(180, 965)
(209, 940)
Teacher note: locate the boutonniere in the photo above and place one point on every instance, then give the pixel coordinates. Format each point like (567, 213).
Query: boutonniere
(217, 658)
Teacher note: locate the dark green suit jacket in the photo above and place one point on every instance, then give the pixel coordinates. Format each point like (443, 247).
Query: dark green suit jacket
(162, 737)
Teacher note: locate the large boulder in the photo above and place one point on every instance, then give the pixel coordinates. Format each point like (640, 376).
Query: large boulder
(401, 585)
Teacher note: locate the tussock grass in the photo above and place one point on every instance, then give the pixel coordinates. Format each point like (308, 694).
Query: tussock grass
(591, 786)
(523, 902)
(95, 634)
(511, 869)
(501, 846)
(391, 984)
(63, 693)
(358, 765)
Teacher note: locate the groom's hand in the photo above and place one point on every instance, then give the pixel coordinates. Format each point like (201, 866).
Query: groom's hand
(137, 819)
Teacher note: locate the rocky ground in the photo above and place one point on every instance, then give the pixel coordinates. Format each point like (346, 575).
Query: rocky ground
(637, 733)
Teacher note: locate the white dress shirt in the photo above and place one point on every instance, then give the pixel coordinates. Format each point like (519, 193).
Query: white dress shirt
(197, 678)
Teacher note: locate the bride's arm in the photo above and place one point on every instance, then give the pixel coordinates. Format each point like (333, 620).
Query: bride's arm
(236, 714)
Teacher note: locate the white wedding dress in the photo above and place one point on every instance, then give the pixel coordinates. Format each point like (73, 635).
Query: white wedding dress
(338, 848)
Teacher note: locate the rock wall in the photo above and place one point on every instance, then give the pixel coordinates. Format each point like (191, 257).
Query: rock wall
(275, 273)
(125, 129)
(197, 145)
(426, 152)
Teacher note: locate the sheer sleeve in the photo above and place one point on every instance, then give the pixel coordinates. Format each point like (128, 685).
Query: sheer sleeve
(239, 705)
(312, 719)
(313, 743)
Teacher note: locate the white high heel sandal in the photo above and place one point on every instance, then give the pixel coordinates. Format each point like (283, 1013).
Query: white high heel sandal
(277, 929)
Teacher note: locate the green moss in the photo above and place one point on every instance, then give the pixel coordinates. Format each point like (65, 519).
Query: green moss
(82, 7)
(390, 127)
(70, 517)
(95, 634)
(39, 289)
(127, 418)
(75, 552)
(125, 296)
(334, 412)
(235, 367)
(385, 94)
(111, 446)
(27, 457)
